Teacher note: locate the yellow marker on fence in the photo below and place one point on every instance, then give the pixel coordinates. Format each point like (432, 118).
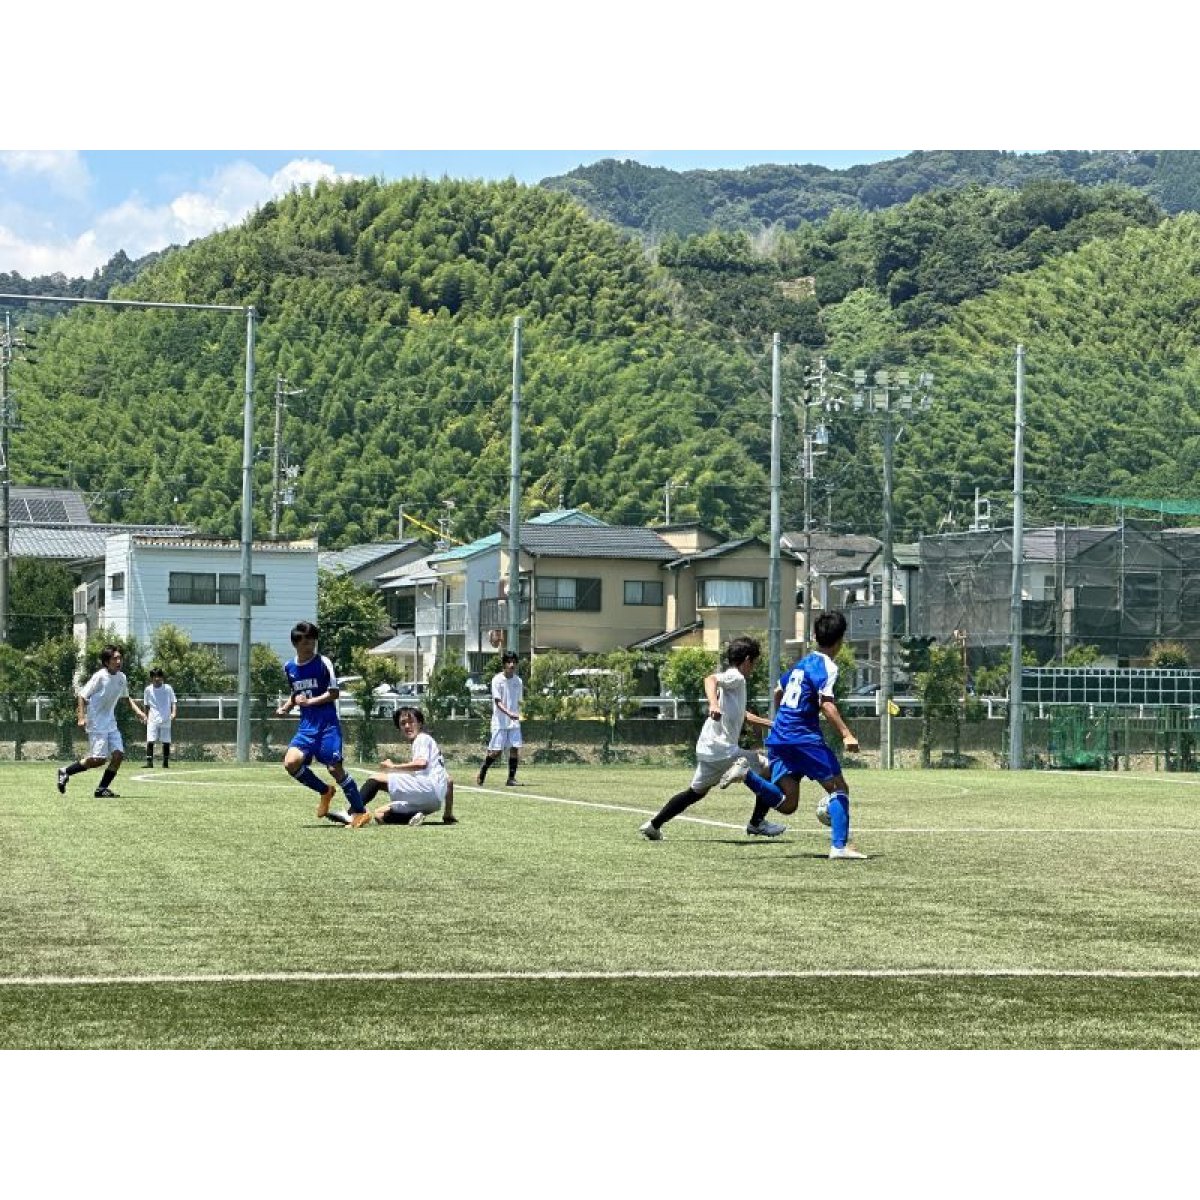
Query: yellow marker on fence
(893, 710)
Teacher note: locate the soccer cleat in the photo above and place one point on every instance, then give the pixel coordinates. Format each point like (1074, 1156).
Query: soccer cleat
(62, 781)
(736, 773)
(416, 819)
(650, 833)
(766, 829)
(358, 820)
(845, 852)
(149, 764)
(479, 779)
(449, 820)
(823, 811)
(338, 818)
(105, 794)
(326, 800)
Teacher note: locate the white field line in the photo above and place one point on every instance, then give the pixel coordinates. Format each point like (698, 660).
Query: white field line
(1148, 830)
(1103, 973)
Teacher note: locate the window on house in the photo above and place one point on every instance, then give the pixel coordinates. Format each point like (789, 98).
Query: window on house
(227, 652)
(191, 587)
(731, 593)
(567, 594)
(643, 591)
(116, 584)
(229, 589)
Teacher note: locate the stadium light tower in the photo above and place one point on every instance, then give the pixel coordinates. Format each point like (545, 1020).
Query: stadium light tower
(888, 393)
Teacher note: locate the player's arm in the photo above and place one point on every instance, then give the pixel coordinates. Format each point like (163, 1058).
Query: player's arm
(714, 701)
(755, 719)
(834, 717)
(133, 704)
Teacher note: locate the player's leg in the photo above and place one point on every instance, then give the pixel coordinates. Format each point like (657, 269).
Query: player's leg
(165, 738)
(116, 757)
(448, 817)
(703, 779)
(838, 811)
(97, 756)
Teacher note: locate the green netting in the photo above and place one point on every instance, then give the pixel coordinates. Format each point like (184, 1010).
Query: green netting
(1186, 508)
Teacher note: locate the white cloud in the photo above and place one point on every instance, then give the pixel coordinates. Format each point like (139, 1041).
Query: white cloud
(64, 170)
(138, 227)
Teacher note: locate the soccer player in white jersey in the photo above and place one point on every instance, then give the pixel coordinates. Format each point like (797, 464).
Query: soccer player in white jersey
(508, 690)
(717, 748)
(97, 712)
(416, 789)
(159, 699)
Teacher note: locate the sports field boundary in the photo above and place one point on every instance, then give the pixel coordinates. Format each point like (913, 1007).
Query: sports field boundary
(865, 973)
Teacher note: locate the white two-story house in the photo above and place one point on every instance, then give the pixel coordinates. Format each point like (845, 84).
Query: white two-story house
(194, 584)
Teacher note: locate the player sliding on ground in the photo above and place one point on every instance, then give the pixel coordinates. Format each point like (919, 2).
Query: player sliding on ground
(717, 745)
(795, 747)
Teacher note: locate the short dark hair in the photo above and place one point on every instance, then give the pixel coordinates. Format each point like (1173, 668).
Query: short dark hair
(829, 629)
(157, 673)
(107, 653)
(508, 657)
(740, 649)
(305, 629)
(418, 715)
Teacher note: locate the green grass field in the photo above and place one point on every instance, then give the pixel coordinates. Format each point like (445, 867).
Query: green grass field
(209, 908)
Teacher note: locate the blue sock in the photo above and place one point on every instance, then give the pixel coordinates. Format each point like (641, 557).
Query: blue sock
(306, 777)
(839, 819)
(764, 789)
(352, 795)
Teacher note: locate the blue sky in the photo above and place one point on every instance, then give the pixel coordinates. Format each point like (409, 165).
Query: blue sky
(70, 211)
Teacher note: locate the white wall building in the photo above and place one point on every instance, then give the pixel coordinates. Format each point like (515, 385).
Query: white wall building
(194, 584)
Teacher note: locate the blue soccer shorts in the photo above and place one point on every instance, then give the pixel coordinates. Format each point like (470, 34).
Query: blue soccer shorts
(809, 760)
(325, 745)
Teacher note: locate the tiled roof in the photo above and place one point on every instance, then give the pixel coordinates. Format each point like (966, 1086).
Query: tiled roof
(82, 542)
(52, 506)
(656, 640)
(557, 516)
(354, 557)
(601, 541)
(719, 551)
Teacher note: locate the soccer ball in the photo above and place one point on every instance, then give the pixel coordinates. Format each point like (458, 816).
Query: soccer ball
(823, 810)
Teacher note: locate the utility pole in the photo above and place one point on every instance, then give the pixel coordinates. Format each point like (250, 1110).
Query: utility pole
(1016, 747)
(668, 488)
(281, 392)
(885, 395)
(514, 505)
(6, 349)
(8, 346)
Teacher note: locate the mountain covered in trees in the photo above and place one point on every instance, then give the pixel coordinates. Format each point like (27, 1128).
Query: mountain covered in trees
(655, 201)
(388, 309)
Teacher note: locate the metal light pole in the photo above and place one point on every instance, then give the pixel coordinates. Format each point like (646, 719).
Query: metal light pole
(887, 394)
(1016, 746)
(774, 619)
(514, 503)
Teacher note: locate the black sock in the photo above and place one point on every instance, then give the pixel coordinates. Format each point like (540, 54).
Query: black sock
(487, 762)
(512, 766)
(150, 754)
(674, 807)
(166, 753)
(761, 808)
(369, 790)
(109, 775)
(75, 768)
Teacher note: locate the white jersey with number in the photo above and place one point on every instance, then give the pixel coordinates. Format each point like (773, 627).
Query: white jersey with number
(429, 782)
(719, 739)
(101, 693)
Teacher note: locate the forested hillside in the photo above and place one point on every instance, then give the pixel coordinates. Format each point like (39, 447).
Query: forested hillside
(655, 201)
(391, 306)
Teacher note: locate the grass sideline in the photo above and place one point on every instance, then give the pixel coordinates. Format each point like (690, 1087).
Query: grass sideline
(209, 908)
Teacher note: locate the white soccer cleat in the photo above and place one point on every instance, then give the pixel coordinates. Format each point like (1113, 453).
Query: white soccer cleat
(823, 811)
(650, 833)
(736, 773)
(418, 818)
(338, 818)
(766, 829)
(845, 852)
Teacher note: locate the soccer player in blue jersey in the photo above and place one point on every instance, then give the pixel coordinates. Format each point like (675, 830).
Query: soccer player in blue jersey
(314, 691)
(795, 747)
